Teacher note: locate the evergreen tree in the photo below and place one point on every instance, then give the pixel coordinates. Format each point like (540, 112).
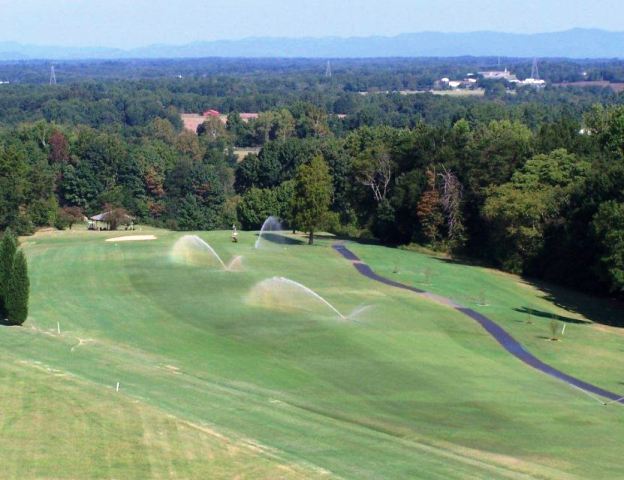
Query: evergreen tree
(8, 247)
(18, 290)
(313, 196)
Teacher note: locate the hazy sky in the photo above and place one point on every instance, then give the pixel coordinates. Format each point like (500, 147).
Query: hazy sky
(130, 23)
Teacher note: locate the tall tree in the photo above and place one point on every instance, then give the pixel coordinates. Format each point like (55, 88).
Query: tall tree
(499, 149)
(59, 148)
(212, 129)
(373, 168)
(18, 291)
(452, 196)
(8, 248)
(429, 210)
(608, 225)
(256, 205)
(519, 212)
(313, 196)
(187, 144)
(263, 126)
(284, 125)
(13, 186)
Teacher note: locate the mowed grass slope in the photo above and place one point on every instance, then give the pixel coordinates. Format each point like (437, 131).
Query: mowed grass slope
(210, 383)
(55, 425)
(587, 349)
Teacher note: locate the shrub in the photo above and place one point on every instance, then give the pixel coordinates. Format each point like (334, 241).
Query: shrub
(18, 290)
(8, 248)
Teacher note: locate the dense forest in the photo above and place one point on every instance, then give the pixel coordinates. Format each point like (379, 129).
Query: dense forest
(530, 180)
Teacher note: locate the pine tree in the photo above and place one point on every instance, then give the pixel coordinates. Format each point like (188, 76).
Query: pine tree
(18, 291)
(8, 247)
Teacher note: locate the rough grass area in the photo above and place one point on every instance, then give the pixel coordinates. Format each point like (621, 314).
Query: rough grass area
(212, 386)
(57, 425)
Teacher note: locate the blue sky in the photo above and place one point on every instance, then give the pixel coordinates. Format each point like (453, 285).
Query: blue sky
(131, 23)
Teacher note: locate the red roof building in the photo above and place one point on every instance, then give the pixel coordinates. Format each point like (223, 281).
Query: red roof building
(211, 113)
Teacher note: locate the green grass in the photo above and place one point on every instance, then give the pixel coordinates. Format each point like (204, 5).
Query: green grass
(409, 390)
(587, 349)
(55, 425)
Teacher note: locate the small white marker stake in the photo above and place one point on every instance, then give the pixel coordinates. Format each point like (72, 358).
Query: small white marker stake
(58, 327)
(117, 388)
(563, 331)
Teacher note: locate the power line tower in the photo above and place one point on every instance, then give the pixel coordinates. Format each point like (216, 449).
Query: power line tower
(535, 70)
(328, 70)
(52, 76)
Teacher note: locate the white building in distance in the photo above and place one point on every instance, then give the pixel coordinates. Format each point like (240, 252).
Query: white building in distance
(533, 82)
(499, 75)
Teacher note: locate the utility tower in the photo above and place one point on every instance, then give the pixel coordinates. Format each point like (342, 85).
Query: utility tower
(52, 76)
(328, 70)
(535, 70)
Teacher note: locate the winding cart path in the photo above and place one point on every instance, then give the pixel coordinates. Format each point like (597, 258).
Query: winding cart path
(503, 337)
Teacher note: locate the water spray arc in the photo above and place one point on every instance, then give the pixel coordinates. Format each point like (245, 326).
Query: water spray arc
(284, 293)
(192, 250)
(281, 292)
(309, 291)
(270, 225)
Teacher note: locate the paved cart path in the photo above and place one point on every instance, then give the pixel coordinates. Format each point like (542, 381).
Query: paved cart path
(503, 337)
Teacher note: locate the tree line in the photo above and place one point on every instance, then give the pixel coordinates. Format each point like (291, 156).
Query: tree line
(526, 182)
(545, 202)
(353, 74)
(526, 200)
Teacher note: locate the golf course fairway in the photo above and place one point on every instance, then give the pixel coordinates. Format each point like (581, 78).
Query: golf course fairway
(144, 359)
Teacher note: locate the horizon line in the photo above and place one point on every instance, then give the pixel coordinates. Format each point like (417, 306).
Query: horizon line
(309, 37)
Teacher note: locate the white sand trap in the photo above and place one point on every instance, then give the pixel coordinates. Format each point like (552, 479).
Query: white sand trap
(132, 238)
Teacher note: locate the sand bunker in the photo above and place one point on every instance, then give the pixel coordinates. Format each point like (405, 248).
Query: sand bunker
(132, 238)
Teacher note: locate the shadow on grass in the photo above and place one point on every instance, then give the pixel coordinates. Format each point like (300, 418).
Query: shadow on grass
(301, 238)
(602, 310)
(551, 316)
(468, 262)
(5, 323)
(347, 238)
(281, 239)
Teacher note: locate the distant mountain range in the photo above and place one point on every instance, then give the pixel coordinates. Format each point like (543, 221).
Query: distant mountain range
(576, 43)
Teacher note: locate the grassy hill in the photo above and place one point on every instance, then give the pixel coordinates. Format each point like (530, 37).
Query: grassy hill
(216, 382)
